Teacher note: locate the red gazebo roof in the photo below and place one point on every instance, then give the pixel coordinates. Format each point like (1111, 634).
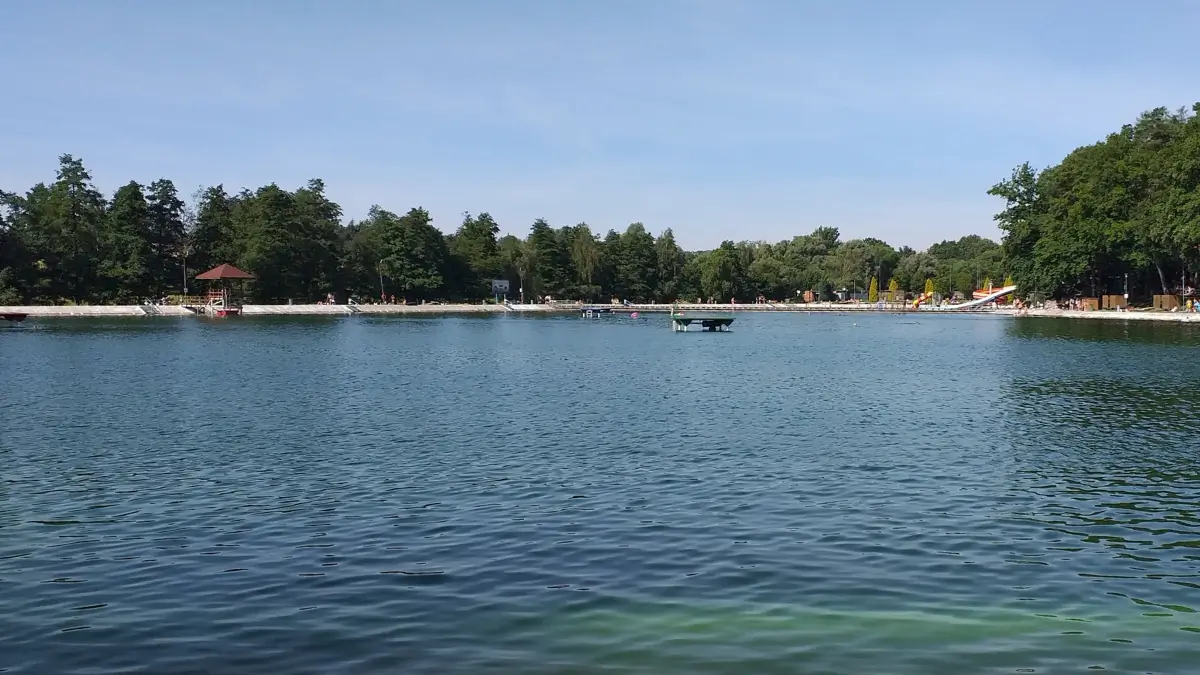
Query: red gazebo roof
(224, 272)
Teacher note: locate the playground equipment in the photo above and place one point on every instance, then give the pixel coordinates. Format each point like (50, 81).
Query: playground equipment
(991, 296)
(981, 297)
(983, 293)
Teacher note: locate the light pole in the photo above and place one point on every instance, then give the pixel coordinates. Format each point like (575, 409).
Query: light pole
(184, 249)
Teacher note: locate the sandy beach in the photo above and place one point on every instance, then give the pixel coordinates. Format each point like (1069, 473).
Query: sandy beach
(1175, 317)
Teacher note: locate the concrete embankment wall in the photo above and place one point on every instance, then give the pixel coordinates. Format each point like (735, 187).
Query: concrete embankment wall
(49, 311)
(343, 310)
(96, 310)
(430, 309)
(755, 307)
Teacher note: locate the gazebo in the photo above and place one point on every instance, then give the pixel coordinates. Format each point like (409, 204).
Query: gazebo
(222, 301)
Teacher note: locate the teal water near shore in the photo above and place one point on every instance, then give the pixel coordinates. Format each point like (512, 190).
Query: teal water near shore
(804, 494)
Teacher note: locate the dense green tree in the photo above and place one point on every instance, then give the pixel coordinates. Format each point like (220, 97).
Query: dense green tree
(671, 260)
(515, 263)
(913, 270)
(17, 260)
(636, 264)
(1127, 206)
(1019, 220)
(847, 267)
(477, 254)
(165, 238)
(610, 251)
(768, 276)
(413, 253)
(586, 260)
(127, 259)
(359, 268)
(969, 247)
(69, 217)
(549, 261)
(265, 223)
(721, 274)
(213, 240)
(316, 248)
(13, 257)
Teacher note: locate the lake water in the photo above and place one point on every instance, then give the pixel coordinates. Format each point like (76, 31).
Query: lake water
(804, 494)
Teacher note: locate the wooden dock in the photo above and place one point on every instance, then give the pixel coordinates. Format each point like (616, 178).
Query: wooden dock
(715, 323)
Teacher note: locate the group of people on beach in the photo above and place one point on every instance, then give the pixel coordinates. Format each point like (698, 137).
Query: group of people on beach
(384, 299)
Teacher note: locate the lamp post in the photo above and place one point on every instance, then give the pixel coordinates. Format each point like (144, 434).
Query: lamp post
(184, 249)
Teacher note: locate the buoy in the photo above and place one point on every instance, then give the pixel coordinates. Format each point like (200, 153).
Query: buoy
(633, 316)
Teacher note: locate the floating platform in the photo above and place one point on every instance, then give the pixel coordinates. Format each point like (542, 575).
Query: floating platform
(593, 312)
(714, 323)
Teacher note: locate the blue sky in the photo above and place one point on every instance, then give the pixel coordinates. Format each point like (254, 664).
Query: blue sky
(721, 120)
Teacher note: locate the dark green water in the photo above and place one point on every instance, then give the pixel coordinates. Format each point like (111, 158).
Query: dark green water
(505, 495)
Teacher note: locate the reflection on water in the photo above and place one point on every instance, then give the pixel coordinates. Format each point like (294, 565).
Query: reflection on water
(807, 493)
(1095, 330)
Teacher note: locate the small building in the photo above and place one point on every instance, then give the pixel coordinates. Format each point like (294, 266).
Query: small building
(222, 299)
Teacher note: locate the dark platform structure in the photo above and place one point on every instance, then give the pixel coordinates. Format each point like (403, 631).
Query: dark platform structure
(708, 322)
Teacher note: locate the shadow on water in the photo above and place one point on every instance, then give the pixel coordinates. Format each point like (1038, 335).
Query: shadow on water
(1104, 330)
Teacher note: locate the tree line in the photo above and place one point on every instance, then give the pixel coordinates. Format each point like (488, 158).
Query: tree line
(1123, 210)
(65, 242)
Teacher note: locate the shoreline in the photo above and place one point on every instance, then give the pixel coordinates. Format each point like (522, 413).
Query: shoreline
(100, 311)
(1163, 317)
(96, 311)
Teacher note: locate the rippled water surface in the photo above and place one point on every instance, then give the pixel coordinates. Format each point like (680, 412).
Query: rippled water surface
(805, 494)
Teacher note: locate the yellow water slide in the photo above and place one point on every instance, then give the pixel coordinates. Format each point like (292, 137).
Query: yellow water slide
(924, 297)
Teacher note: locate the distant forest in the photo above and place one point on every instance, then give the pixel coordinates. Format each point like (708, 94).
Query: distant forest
(66, 242)
(1128, 205)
